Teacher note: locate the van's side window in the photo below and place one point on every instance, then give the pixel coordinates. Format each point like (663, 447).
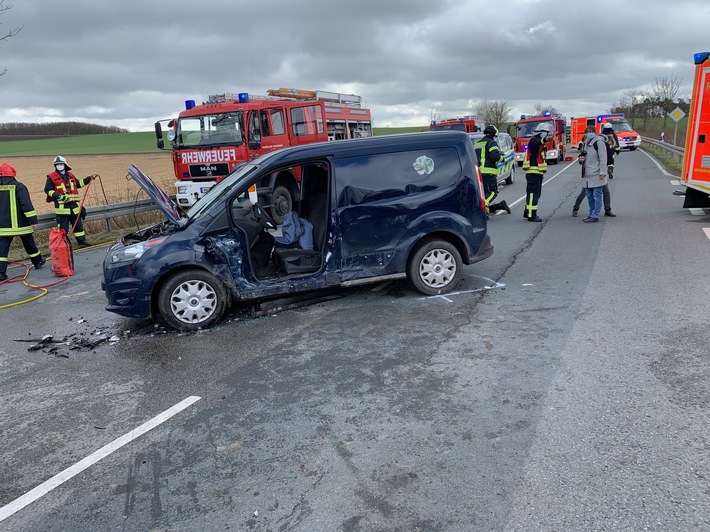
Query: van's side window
(388, 175)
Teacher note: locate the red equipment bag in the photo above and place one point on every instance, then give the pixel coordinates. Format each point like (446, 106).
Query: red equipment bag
(61, 253)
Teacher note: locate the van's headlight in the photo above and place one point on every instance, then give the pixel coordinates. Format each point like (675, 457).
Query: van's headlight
(182, 189)
(133, 252)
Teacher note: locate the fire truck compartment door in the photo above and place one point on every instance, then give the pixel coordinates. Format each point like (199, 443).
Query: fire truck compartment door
(699, 174)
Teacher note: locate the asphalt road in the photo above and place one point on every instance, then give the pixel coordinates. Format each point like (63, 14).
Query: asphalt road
(564, 386)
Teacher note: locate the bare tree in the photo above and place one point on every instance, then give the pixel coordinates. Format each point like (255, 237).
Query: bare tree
(495, 112)
(4, 9)
(542, 109)
(435, 113)
(633, 98)
(665, 92)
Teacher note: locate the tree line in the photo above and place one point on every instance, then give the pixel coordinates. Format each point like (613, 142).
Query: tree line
(56, 129)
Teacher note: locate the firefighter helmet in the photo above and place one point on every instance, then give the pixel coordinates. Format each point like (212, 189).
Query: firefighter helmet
(61, 160)
(491, 131)
(607, 127)
(544, 126)
(7, 170)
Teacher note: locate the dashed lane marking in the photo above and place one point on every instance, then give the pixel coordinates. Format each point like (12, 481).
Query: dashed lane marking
(706, 230)
(59, 479)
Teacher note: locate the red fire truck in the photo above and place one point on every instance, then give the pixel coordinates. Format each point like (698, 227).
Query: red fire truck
(525, 130)
(628, 138)
(696, 160)
(469, 124)
(208, 140)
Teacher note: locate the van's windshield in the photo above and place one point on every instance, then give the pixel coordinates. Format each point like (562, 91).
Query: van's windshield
(239, 175)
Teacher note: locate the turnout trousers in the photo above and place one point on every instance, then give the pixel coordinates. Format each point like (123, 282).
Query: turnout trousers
(28, 242)
(533, 191)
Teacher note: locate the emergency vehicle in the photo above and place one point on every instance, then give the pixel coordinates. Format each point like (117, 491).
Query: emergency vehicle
(210, 139)
(628, 138)
(556, 145)
(467, 124)
(696, 160)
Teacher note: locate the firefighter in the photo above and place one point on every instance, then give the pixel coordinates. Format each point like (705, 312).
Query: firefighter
(17, 218)
(535, 166)
(489, 154)
(613, 141)
(62, 188)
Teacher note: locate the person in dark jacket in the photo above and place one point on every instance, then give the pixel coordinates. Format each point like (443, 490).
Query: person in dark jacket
(489, 154)
(17, 218)
(62, 188)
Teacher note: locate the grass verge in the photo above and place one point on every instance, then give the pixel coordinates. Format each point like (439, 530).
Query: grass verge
(669, 162)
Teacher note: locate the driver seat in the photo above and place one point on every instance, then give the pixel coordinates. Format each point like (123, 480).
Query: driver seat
(294, 260)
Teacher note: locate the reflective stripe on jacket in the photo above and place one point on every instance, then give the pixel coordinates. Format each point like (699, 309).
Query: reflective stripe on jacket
(535, 161)
(488, 155)
(17, 215)
(58, 185)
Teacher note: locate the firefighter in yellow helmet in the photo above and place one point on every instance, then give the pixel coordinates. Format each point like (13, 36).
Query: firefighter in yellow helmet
(17, 218)
(62, 188)
(535, 166)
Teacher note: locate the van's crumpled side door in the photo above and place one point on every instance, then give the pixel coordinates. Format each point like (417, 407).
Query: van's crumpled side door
(378, 199)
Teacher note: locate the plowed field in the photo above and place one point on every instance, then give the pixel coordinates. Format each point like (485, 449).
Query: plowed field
(113, 169)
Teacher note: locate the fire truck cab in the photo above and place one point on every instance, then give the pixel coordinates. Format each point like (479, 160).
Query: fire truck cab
(556, 144)
(467, 124)
(210, 139)
(696, 160)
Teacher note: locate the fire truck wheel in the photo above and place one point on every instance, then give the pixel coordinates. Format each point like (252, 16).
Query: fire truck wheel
(435, 267)
(282, 203)
(191, 300)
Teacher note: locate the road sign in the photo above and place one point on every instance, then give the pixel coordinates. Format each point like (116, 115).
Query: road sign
(677, 113)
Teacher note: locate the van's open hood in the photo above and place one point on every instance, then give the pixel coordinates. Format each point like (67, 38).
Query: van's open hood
(161, 199)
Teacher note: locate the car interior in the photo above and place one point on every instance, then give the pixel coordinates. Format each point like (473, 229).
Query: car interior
(277, 251)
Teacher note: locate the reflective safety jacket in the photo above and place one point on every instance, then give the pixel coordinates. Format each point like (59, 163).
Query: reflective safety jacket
(488, 155)
(535, 161)
(17, 215)
(68, 185)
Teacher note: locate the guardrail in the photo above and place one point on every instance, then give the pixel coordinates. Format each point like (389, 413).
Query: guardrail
(103, 212)
(672, 150)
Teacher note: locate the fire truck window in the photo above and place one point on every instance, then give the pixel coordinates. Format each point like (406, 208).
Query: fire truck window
(277, 121)
(307, 120)
(265, 130)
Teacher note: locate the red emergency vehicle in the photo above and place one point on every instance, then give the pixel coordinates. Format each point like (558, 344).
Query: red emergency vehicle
(208, 140)
(469, 124)
(696, 161)
(556, 144)
(628, 138)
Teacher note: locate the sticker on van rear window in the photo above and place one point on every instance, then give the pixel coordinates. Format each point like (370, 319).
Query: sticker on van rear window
(424, 165)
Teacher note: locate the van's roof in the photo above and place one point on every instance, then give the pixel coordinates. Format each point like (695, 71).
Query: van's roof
(370, 145)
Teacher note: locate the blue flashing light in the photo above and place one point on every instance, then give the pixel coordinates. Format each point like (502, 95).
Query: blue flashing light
(243, 97)
(522, 117)
(701, 57)
(547, 113)
(189, 104)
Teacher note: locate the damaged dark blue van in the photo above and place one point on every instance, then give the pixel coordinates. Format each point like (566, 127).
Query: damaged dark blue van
(376, 209)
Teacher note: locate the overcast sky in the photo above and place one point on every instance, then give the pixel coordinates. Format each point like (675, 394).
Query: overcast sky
(130, 63)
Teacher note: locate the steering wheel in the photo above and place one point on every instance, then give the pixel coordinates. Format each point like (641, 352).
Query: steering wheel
(263, 217)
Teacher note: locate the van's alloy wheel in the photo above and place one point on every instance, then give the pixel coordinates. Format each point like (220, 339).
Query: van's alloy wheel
(435, 268)
(191, 300)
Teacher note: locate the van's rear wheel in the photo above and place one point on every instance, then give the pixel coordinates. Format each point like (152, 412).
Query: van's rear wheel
(435, 268)
(191, 300)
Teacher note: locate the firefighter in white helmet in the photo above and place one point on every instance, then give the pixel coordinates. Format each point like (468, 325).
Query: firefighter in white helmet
(62, 188)
(535, 166)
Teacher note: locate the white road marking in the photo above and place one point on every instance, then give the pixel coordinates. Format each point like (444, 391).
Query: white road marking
(493, 285)
(654, 161)
(676, 182)
(59, 479)
(707, 232)
(545, 182)
(697, 212)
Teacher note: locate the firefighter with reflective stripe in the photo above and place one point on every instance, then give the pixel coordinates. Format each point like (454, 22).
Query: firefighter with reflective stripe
(17, 216)
(62, 188)
(489, 155)
(535, 166)
(613, 141)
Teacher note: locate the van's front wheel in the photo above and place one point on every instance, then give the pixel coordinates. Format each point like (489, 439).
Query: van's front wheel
(191, 300)
(435, 268)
